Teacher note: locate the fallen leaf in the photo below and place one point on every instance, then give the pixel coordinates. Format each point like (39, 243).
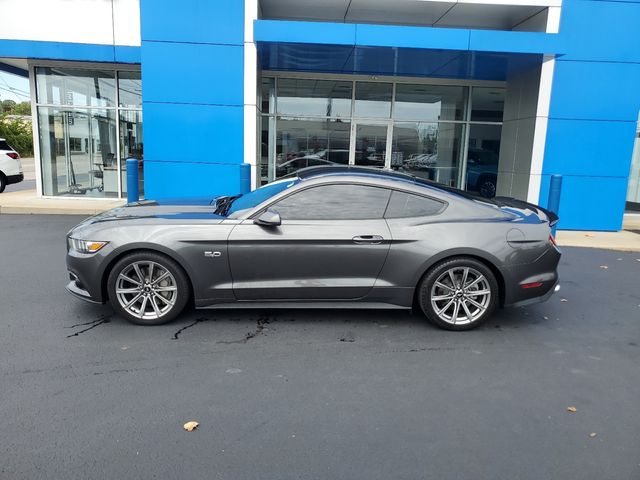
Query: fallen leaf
(190, 426)
(124, 347)
(604, 267)
(593, 434)
(546, 318)
(564, 300)
(572, 409)
(589, 235)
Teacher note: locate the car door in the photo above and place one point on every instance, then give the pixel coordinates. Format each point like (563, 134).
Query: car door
(331, 244)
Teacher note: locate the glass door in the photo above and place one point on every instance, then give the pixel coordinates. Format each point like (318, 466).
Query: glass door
(370, 144)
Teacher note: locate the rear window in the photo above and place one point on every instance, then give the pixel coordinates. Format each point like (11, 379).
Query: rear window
(404, 205)
(4, 145)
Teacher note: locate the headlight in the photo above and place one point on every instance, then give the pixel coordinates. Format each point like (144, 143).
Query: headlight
(84, 246)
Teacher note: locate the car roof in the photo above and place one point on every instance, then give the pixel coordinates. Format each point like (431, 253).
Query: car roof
(369, 172)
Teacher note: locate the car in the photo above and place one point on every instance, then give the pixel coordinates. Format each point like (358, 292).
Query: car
(10, 166)
(299, 163)
(482, 172)
(324, 237)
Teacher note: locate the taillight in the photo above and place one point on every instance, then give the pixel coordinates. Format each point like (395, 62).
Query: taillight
(552, 240)
(13, 155)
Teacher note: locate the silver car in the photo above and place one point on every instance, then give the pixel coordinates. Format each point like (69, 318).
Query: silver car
(325, 237)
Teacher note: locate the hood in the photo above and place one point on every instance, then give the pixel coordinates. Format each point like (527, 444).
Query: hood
(167, 209)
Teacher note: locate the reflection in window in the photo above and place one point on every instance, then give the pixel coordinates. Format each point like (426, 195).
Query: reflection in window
(130, 89)
(324, 98)
(482, 159)
(334, 202)
(78, 149)
(429, 102)
(304, 143)
(65, 86)
(427, 150)
(131, 145)
(487, 104)
(373, 100)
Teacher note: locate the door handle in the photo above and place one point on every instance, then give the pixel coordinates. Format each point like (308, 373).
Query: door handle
(367, 239)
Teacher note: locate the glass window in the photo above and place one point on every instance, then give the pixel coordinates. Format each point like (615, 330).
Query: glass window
(487, 104)
(427, 150)
(482, 159)
(256, 197)
(300, 140)
(267, 94)
(131, 145)
(429, 102)
(130, 89)
(373, 100)
(371, 145)
(324, 98)
(65, 86)
(404, 204)
(4, 145)
(334, 202)
(78, 149)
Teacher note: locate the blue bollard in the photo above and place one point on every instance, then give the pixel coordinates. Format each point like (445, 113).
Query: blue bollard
(133, 194)
(553, 204)
(245, 178)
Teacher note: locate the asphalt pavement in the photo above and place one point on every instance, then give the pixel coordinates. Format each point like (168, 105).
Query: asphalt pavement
(315, 394)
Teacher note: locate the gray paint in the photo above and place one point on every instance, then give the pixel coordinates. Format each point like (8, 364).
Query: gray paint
(323, 261)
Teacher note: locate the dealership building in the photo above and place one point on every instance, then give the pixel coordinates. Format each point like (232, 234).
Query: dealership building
(491, 96)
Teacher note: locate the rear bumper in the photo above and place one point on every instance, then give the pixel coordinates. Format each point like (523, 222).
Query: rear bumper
(543, 298)
(11, 179)
(533, 282)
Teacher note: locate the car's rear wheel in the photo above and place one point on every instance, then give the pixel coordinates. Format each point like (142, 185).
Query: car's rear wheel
(147, 288)
(458, 293)
(3, 182)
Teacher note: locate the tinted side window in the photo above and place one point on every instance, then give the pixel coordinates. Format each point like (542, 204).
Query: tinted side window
(404, 205)
(4, 145)
(334, 202)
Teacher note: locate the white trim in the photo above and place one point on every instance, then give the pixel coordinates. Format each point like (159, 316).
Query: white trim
(540, 129)
(251, 153)
(35, 128)
(553, 19)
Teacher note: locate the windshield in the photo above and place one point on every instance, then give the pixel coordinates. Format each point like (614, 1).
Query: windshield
(255, 198)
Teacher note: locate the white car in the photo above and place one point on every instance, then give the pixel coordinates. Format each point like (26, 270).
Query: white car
(10, 166)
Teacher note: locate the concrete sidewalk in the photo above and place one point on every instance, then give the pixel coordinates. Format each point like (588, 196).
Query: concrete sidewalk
(28, 202)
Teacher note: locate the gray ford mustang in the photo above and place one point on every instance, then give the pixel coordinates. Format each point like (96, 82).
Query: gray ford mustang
(339, 237)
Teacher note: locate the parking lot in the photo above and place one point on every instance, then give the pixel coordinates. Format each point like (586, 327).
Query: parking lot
(315, 393)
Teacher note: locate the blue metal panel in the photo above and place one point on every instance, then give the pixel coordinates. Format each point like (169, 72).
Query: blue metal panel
(596, 91)
(193, 133)
(197, 73)
(412, 37)
(82, 52)
(604, 31)
(313, 33)
(181, 179)
(589, 203)
(193, 21)
(584, 147)
(515, 42)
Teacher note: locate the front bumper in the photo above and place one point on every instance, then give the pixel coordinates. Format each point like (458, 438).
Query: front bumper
(74, 287)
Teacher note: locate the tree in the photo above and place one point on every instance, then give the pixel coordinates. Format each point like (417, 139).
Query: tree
(7, 105)
(22, 108)
(18, 134)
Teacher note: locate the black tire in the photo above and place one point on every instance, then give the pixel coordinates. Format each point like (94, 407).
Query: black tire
(426, 287)
(178, 277)
(486, 186)
(3, 182)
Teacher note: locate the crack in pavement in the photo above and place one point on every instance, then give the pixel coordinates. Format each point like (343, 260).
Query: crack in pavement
(101, 320)
(261, 323)
(197, 321)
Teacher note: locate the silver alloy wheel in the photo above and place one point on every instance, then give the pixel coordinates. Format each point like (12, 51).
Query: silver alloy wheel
(460, 295)
(146, 290)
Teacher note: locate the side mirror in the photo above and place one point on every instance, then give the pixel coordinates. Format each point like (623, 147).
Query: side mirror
(268, 218)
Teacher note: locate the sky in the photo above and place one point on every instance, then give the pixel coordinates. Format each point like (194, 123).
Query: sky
(13, 87)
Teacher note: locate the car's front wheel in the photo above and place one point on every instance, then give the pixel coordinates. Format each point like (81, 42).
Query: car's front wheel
(458, 293)
(147, 288)
(3, 182)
